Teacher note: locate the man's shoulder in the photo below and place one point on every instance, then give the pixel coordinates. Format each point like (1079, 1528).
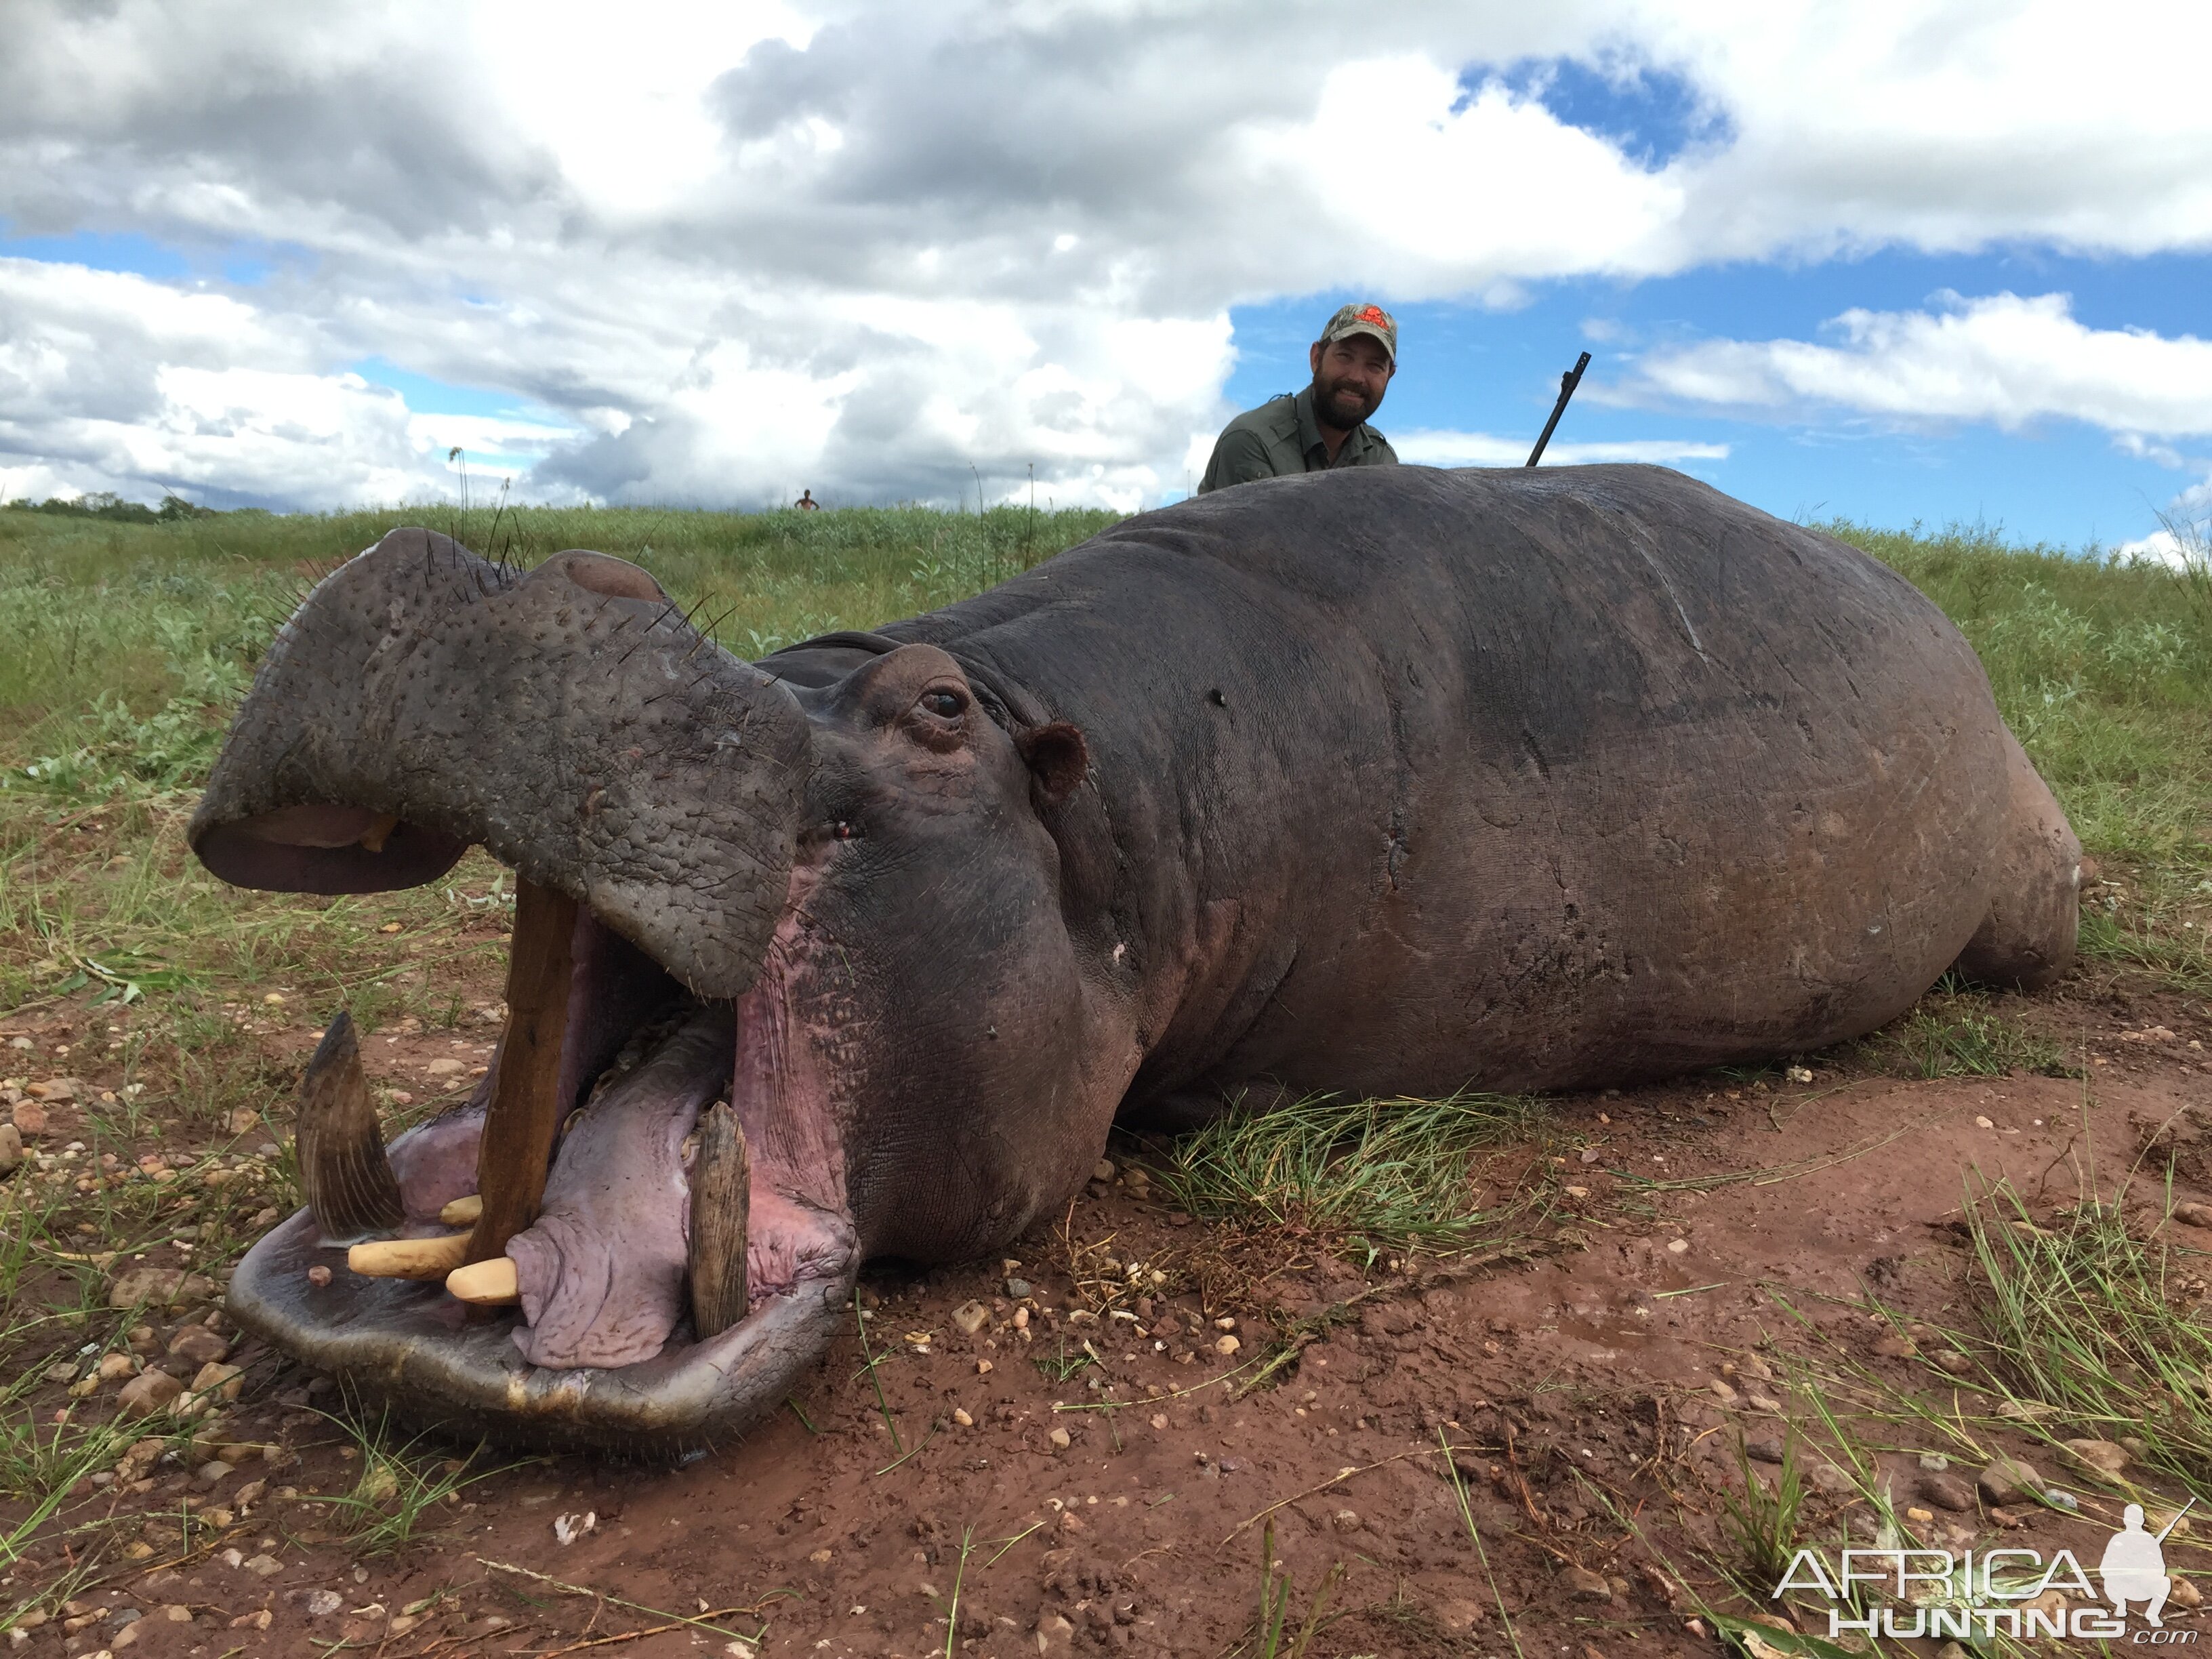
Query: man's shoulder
(1374, 447)
(1278, 414)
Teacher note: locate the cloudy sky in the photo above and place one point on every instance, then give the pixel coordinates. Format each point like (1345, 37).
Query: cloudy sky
(1896, 259)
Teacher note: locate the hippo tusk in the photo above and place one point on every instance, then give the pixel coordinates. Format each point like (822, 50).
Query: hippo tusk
(721, 1203)
(487, 1284)
(408, 1258)
(525, 1115)
(348, 1179)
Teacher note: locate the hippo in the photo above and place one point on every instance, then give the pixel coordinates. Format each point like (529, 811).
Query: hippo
(1393, 782)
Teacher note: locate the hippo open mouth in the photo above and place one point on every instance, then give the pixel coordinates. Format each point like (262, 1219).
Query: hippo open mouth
(646, 786)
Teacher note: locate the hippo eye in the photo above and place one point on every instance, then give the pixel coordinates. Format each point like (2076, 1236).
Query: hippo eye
(947, 704)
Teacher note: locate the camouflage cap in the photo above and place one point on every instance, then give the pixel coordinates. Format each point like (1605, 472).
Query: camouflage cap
(1363, 320)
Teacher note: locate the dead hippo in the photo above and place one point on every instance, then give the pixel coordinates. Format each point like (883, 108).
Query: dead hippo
(1388, 781)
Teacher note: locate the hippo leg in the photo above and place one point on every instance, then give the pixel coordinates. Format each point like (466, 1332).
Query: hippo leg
(2028, 939)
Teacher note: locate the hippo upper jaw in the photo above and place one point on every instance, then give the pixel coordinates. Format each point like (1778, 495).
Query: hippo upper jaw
(568, 720)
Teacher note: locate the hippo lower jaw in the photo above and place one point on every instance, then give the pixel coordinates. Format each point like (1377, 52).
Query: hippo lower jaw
(412, 1348)
(600, 1354)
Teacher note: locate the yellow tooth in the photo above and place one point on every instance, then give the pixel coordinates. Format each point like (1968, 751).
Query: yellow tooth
(408, 1258)
(487, 1284)
(463, 1212)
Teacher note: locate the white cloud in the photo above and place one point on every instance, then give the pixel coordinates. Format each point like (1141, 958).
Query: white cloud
(879, 251)
(1441, 448)
(114, 381)
(2002, 358)
(2164, 547)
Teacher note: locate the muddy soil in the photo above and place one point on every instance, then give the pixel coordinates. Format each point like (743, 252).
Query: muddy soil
(1086, 1469)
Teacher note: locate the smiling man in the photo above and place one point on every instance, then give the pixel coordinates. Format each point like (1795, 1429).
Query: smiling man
(1325, 425)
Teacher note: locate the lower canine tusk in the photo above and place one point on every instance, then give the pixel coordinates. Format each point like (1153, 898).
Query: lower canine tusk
(348, 1181)
(721, 1204)
(525, 1115)
(487, 1284)
(408, 1258)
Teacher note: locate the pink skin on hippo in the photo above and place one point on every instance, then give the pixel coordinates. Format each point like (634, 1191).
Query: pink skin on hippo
(1388, 781)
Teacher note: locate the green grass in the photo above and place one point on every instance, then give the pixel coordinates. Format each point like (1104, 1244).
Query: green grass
(2083, 1316)
(1353, 1173)
(402, 1485)
(1950, 1034)
(1271, 1635)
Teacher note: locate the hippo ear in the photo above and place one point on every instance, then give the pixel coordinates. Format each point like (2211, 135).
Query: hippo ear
(1057, 758)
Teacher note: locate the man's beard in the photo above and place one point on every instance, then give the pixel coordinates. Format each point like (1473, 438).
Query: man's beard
(1341, 405)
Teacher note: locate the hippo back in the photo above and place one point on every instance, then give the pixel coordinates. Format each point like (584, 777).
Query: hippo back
(1408, 779)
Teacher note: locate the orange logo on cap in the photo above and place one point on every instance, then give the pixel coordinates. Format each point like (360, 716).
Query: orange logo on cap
(1374, 314)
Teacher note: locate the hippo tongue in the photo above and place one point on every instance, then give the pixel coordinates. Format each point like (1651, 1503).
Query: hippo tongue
(601, 1271)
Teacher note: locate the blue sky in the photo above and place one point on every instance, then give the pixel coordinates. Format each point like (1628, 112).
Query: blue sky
(1919, 260)
(1467, 367)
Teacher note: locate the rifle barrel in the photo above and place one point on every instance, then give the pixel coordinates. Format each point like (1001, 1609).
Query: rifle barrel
(1568, 382)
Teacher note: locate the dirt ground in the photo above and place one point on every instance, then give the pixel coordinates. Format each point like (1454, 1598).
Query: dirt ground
(1716, 1239)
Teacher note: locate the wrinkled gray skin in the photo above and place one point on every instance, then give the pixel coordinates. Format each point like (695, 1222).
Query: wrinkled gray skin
(1386, 782)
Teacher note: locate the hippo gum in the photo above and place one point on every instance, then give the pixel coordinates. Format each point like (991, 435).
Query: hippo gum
(1391, 782)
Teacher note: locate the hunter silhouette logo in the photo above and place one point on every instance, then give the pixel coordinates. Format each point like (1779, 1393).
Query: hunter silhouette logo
(1974, 1596)
(2134, 1568)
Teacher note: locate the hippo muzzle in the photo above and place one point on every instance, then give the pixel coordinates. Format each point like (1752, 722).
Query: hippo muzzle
(646, 786)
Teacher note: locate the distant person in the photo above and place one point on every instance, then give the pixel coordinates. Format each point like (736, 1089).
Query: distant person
(807, 503)
(1325, 425)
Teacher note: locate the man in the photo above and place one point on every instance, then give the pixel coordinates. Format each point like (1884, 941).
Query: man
(1325, 425)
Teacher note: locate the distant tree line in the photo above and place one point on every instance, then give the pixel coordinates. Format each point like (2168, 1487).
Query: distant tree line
(105, 504)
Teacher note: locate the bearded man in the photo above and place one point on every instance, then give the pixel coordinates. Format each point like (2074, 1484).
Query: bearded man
(1325, 425)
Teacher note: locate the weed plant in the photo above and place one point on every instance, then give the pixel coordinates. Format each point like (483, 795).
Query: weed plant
(402, 1486)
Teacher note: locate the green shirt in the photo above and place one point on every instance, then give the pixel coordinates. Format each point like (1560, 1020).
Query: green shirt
(1282, 436)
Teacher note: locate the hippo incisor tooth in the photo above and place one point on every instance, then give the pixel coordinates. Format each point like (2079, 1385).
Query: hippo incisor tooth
(347, 1178)
(525, 1115)
(487, 1284)
(461, 1211)
(408, 1258)
(721, 1202)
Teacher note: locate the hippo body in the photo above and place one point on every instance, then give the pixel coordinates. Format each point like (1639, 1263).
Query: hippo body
(1391, 782)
